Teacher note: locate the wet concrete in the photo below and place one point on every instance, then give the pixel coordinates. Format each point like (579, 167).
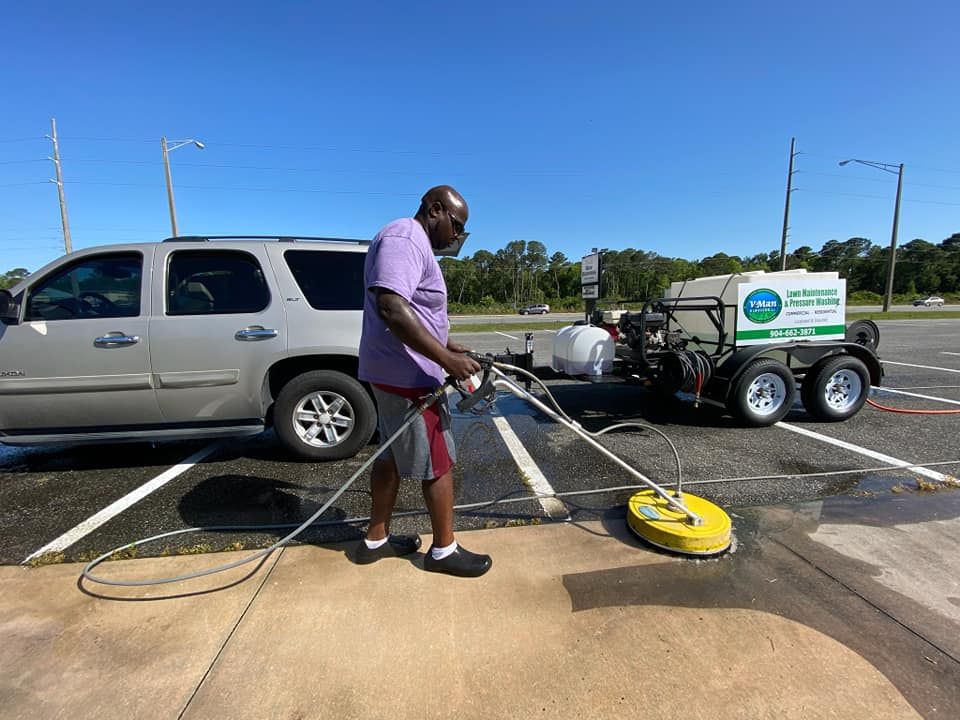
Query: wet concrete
(781, 567)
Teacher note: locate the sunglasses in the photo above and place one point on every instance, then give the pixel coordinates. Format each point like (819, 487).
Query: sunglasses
(457, 226)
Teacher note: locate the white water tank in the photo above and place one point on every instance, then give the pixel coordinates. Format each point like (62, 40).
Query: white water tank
(695, 323)
(583, 350)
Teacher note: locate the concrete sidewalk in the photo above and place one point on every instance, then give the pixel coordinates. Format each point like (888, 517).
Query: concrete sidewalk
(572, 621)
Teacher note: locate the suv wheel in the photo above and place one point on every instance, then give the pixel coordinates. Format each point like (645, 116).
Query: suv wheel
(324, 415)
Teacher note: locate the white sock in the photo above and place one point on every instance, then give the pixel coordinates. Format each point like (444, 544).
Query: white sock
(374, 544)
(438, 553)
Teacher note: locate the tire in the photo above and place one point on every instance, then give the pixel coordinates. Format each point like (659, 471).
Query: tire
(864, 332)
(305, 426)
(763, 394)
(835, 388)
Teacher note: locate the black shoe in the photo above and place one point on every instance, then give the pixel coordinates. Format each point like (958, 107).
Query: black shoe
(461, 562)
(396, 546)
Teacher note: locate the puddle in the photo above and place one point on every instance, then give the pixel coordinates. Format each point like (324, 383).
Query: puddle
(892, 499)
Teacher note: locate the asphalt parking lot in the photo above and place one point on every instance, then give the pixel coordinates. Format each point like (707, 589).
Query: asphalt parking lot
(55, 502)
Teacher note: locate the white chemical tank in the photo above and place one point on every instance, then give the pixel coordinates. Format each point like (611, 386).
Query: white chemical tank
(583, 350)
(695, 323)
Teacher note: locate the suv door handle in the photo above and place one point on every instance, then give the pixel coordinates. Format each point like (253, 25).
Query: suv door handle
(116, 339)
(255, 332)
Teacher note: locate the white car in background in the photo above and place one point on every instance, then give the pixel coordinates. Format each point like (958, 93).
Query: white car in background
(535, 310)
(929, 301)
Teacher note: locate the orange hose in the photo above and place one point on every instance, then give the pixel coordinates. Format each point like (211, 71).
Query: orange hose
(912, 412)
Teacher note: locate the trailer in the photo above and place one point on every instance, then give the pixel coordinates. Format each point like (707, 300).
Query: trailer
(744, 342)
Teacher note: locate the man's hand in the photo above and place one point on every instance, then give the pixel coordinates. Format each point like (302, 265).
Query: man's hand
(456, 348)
(461, 366)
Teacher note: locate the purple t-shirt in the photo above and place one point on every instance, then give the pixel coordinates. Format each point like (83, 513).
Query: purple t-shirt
(401, 259)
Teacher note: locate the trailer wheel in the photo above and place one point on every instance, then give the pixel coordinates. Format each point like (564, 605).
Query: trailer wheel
(864, 332)
(836, 388)
(763, 394)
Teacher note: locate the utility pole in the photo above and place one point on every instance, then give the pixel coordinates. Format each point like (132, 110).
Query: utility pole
(65, 222)
(786, 208)
(887, 167)
(888, 297)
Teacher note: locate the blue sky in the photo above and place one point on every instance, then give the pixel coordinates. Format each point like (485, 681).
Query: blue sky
(575, 124)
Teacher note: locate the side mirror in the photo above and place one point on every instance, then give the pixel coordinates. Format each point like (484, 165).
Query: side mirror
(9, 309)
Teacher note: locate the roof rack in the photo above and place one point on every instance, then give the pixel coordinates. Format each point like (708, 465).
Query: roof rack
(278, 238)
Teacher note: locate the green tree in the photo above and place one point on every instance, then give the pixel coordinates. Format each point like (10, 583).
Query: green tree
(12, 277)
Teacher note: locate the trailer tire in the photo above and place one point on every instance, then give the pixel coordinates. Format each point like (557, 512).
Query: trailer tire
(343, 416)
(763, 394)
(864, 332)
(835, 388)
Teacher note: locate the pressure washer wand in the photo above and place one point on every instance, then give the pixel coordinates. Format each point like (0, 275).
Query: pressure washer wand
(510, 384)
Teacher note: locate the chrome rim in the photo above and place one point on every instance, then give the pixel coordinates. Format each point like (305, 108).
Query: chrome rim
(766, 394)
(843, 389)
(323, 419)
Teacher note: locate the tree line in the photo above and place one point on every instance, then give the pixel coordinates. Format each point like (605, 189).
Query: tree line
(524, 272)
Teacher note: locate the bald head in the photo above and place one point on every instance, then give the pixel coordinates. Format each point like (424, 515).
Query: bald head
(449, 198)
(443, 214)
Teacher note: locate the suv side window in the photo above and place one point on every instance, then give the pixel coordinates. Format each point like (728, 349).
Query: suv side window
(215, 282)
(329, 280)
(99, 286)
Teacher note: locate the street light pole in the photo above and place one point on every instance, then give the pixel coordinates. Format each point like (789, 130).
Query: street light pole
(166, 168)
(888, 167)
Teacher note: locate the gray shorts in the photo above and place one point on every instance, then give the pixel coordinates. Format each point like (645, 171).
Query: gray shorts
(425, 450)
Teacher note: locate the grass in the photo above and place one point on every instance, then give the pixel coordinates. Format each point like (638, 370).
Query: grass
(517, 329)
(906, 315)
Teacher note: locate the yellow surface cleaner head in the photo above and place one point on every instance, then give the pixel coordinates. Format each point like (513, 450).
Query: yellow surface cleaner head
(651, 518)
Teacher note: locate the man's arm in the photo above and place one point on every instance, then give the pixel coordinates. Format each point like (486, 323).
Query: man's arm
(403, 322)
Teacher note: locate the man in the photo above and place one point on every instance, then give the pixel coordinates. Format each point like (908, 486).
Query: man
(405, 353)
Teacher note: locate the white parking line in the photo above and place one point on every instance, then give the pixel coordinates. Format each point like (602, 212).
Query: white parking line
(933, 475)
(115, 508)
(505, 335)
(532, 476)
(916, 395)
(925, 367)
(944, 352)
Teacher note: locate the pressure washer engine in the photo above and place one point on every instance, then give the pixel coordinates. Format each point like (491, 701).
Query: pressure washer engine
(664, 352)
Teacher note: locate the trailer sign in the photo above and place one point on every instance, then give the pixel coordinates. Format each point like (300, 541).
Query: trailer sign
(796, 309)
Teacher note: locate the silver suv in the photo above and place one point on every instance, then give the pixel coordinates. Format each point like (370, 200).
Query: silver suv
(190, 337)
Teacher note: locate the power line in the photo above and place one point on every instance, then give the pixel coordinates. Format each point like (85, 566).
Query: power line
(911, 165)
(877, 197)
(299, 148)
(850, 176)
(247, 189)
(345, 171)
